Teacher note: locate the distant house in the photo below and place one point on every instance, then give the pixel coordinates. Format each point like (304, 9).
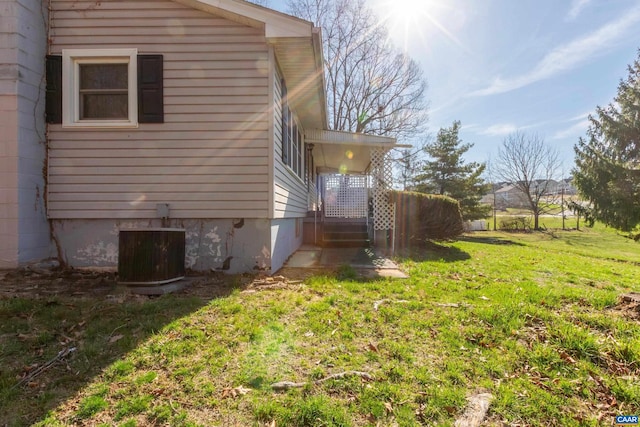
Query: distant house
(508, 195)
(566, 185)
(207, 115)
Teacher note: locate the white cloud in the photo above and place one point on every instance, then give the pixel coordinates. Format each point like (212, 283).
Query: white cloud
(499, 130)
(470, 127)
(582, 116)
(568, 56)
(573, 131)
(576, 8)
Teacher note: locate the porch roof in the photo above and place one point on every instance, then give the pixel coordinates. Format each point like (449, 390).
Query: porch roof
(345, 152)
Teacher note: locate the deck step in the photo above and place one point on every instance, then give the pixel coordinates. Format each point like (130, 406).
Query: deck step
(345, 227)
(345, 234)
(346, 243)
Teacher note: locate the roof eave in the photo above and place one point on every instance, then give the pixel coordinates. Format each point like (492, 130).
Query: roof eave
(317, 46)
(275, 24)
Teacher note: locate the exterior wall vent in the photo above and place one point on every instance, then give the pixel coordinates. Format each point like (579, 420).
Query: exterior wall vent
(151, 256)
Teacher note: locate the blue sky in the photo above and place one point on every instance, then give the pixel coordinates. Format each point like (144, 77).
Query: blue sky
(504, 65)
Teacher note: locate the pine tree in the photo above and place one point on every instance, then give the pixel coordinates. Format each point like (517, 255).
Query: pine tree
(607, 171)
(408, 166)
(447, 173)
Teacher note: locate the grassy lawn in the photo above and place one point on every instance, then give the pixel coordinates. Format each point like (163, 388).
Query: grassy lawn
(534, 319)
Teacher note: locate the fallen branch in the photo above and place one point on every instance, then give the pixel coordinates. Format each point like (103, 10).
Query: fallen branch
(377, 304)
(287, 385)
(452, 304)
(61, 355)
(273, 283)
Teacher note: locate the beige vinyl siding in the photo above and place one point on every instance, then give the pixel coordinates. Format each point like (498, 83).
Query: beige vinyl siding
(210, 157)
(290, 191)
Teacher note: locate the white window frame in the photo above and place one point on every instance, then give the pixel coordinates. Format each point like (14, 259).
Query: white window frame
(71, 61)
(294, 158)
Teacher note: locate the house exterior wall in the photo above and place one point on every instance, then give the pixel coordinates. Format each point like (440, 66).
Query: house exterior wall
(209, 159)
(8, 172)
(232, 246)
(290, 192)
(24, 231)
(286, 238)
(34, 235)
(212, 160)
(8, 134)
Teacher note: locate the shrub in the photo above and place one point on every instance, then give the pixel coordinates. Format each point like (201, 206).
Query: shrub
(516, 223)
(421, 217)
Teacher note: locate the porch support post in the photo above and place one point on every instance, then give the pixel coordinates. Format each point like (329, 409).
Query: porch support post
(383, 209)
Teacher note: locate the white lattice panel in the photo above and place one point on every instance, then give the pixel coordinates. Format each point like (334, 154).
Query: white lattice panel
(381, 176)
(346, 196)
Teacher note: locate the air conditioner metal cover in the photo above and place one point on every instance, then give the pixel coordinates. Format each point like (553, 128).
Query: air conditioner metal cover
(151, 256)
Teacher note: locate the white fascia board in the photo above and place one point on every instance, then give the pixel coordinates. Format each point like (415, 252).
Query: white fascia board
(316, 38)
(276, 24)
(335, 137)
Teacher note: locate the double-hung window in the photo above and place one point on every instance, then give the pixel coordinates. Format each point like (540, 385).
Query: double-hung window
(292, 140)
(101, 88)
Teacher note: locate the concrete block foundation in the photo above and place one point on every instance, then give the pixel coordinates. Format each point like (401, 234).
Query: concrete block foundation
(228, 245)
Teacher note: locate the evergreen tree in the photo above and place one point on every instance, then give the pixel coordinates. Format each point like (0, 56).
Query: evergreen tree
(447, 173)
(408, 166)
(607, 171)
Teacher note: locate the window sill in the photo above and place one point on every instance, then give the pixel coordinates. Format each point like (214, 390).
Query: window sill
(101, 125)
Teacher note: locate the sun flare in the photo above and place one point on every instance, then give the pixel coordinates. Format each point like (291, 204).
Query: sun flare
(406, 14)
(405, 19)
(414, 20)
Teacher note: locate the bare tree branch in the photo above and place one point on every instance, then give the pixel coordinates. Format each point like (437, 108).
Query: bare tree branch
(371, 88)
(530, 166)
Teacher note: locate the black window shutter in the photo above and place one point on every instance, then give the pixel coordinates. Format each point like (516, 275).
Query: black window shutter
(53, 98)
(150, 89)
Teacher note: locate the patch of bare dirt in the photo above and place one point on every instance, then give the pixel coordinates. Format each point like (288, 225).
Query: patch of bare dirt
(30, 282)
(33, 282)
(45, 282)
(629, 305)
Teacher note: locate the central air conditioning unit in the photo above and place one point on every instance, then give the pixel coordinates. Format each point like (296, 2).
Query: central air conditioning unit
(151, 256)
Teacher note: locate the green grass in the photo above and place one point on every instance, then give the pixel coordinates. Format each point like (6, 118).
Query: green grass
(532, 318)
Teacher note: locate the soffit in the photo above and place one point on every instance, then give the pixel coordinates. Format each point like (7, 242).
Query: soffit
(345, 152)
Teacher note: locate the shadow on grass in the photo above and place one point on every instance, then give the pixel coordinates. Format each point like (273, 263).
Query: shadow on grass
(42, 315)
(433, 251)
(486, 240)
